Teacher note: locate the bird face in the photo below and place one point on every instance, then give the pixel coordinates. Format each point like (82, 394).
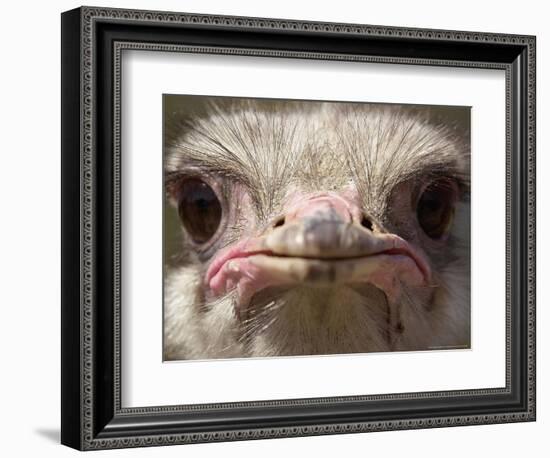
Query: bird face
(316, 230)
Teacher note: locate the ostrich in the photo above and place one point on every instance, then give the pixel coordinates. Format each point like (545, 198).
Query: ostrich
(313, 228)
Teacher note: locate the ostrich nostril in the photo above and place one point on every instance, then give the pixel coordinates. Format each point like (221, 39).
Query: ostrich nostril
(367, 223)
(279, 222)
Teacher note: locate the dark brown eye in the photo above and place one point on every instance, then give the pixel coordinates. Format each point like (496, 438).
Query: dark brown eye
(435, 208)
(199, 209)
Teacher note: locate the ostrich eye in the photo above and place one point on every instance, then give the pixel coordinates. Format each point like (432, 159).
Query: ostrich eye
(435, 208)
(199, 209)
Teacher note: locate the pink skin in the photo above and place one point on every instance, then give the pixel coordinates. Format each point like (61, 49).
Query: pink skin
(305, 205)
(249, 266)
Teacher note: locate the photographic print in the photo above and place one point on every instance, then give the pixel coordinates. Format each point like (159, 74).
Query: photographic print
(295, 227)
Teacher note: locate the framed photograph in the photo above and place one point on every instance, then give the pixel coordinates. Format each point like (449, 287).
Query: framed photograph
(276, 228)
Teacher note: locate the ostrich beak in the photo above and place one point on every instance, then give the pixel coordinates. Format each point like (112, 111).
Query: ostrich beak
(323, 241)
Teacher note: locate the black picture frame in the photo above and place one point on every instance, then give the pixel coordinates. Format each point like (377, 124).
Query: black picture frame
(92, 40)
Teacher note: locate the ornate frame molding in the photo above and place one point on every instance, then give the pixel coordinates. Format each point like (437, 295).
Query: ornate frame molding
(84, 23)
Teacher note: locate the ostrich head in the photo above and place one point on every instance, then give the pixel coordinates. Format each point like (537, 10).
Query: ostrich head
(316, 228)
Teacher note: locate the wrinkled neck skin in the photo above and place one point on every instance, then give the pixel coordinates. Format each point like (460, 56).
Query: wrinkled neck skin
(305, 320)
